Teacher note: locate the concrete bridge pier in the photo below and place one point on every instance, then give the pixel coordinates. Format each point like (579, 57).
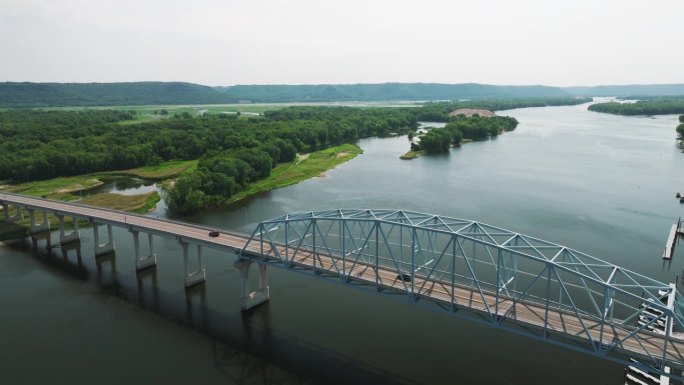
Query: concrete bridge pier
(12, 218)
(103, 248)
(141, 262)
(75, 246)
(250, 299)
(193, 277)
(38, 227)
(73, 236)
(46, 235)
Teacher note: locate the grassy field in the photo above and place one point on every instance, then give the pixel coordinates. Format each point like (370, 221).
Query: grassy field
(412, 154)
(146, 113)
(163, 171)
(308, 166)
(57, 187)
(63, 187)
(135, 203)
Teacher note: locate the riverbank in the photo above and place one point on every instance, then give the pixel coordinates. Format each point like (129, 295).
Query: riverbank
(62, 188)
(66, 189)
(411, 154)
(304, 167)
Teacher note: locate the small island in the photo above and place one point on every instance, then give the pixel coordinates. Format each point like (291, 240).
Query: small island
(464, 125)
(655, 106)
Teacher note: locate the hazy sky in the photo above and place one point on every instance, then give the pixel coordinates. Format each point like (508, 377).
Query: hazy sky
(226, 42)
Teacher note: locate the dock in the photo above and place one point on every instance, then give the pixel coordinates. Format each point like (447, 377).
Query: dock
(671, 239)
(636, 373)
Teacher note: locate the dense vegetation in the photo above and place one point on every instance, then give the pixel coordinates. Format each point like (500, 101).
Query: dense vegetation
(14, 94)
(680, 128)
(439, 112)
(387, 91)
(44, 144)
(107, 94)
(644, 107)
(461, 127)
(233, 152)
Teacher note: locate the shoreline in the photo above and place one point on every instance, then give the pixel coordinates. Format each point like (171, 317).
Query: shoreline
(306, 166)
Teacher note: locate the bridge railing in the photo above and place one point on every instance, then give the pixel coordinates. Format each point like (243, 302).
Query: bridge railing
(509, 279)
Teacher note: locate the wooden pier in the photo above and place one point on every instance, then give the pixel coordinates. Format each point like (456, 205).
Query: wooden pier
(671, 239)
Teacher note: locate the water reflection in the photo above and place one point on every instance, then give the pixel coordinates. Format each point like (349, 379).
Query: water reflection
(247, 347)
(123, 186)
(242, 368)
(103, 260)
(196, 305)
(69, 257)
(148, 296)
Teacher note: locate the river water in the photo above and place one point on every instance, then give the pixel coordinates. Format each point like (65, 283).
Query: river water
(598, 183)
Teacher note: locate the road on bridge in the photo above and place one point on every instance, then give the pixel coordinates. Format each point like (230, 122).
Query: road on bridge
(522, 312)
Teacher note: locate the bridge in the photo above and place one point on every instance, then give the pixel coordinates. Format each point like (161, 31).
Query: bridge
(469, 269)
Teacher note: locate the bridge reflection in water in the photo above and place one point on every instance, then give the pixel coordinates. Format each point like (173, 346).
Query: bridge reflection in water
(472, 270)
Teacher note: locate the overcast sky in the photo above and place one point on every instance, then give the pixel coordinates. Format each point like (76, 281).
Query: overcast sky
(227, 42)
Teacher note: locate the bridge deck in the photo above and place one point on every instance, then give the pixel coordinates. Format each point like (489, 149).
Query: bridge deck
(172, 229)
(524, 312)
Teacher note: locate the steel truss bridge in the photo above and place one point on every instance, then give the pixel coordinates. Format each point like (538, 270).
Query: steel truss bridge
(469, 269)
(485, 273)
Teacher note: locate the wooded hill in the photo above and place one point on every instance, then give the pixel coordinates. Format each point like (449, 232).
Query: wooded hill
(13, 95)
(16, 95)
(387, 91)
(638, 91)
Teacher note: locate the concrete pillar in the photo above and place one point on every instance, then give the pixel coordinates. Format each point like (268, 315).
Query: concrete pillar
(193, 277)
(103, 248)
(66, 247)
(13, 218)
(41, 227)
(143, 262)
(73, 236)
(250, 299)
(42, 235)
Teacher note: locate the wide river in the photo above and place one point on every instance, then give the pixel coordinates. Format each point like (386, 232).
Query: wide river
(602, 184)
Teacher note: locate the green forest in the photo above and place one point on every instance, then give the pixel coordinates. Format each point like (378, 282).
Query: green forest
(233, 151)
(658, 106)
(680, 128)
(387, 91)
(473, 128)
(20, 95)
(439, 112)
(30, 95)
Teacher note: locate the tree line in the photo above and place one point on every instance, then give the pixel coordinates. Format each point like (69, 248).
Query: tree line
(439, 112)
(25, 94)
(232, 151)
(38, 145)
(642, 107)
(474, 128)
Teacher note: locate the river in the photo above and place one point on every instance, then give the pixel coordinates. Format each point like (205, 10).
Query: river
(602, 184)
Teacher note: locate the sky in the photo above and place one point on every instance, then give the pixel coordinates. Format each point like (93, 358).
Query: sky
(228, 42)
